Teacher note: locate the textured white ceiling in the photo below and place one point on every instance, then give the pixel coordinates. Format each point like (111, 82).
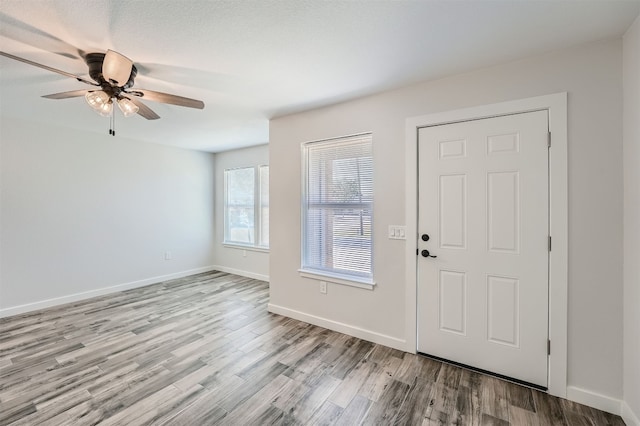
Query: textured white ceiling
(253, 60)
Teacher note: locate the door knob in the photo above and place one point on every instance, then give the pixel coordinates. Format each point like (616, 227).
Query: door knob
(425, 237)
(425, 253)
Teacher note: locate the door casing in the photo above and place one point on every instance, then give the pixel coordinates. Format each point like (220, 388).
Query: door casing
(556, 105)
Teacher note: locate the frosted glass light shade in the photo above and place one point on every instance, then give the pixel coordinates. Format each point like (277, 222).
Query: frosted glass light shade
(100, 102)
(116, 68)
(127, 107)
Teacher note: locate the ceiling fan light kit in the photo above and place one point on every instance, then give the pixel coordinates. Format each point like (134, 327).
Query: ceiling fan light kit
(114, 74)
(100, 102)
(127, 107)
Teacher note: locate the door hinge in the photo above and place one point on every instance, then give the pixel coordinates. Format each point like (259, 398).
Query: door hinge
(548, 139)
(549, 242)
(548, 347)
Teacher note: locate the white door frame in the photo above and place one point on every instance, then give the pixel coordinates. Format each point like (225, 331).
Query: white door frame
(556, 104)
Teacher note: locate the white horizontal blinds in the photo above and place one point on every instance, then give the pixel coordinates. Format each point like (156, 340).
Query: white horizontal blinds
(264, 206)
(240, 204)
(338, 207)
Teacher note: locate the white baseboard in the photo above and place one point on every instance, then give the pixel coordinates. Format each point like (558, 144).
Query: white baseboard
(242, 273)
(630, 418)
(358, 332)
(42, 304)
(595, 400)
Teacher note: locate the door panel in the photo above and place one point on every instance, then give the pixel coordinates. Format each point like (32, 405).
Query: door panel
(453, 302)
(503, 313)
(453, 211)
(503, 212)
(483, 199)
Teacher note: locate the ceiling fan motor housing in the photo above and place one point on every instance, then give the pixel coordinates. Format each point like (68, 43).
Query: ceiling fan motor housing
(94, 62)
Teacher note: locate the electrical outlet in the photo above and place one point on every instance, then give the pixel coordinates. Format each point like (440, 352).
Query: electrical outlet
(167, 255)
(323, 287)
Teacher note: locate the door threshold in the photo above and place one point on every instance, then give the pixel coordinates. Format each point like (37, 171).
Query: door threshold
(488, 373)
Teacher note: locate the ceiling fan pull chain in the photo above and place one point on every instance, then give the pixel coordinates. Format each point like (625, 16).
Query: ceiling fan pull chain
(112, 123)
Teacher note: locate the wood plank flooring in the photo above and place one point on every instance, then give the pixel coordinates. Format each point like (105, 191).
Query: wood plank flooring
(203, 350)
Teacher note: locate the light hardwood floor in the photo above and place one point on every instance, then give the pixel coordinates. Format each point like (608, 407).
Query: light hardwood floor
(203, 350)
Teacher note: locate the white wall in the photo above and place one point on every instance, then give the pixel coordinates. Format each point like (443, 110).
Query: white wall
(246, 262)
(592, 76)
(80, 213)
(631, 150)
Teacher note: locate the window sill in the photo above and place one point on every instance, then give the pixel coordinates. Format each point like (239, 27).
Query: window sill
(365, 283)
(246, 247)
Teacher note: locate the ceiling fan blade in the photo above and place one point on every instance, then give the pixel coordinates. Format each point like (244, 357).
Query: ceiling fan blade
(144, 110)
(22, 32)
(48, 68)
(116, 68)
(166, 98)
(65, 95)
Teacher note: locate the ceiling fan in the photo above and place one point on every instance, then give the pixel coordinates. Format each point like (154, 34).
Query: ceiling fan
(113, 77)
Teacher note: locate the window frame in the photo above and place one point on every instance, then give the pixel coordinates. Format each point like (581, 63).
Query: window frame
(355, 280)
(258, 220)
(259, 205)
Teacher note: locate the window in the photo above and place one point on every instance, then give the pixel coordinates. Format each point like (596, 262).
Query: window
(337, 208)
(246, 219)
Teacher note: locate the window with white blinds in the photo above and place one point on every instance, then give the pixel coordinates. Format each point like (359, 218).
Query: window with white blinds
(337, 208)
(246, 219)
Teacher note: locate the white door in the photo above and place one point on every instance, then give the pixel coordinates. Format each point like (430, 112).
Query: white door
(483, 203)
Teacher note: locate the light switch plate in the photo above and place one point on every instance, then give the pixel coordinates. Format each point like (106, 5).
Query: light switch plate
(397, 232)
